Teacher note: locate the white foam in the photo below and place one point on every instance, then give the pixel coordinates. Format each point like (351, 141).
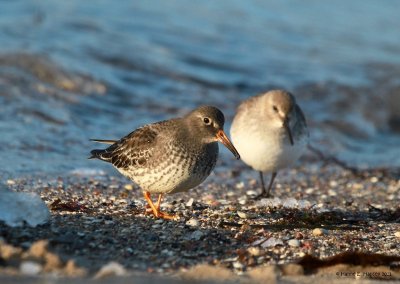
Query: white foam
(285, 203)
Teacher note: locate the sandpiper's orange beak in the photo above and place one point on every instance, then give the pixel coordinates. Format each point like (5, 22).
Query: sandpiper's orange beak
(221, 136)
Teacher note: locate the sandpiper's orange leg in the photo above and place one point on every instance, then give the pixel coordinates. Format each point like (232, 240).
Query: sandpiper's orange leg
(159, 202)
(156, 210)
(148, 208)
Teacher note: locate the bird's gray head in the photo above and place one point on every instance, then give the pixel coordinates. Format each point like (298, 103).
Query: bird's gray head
(208, 123)
(280, 107)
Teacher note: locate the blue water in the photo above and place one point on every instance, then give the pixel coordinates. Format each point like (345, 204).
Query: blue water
(135, 62)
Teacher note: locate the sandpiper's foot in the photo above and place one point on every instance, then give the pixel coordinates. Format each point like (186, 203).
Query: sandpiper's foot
(159, 214)
(265, 193)
(165, 216)
(155, 209)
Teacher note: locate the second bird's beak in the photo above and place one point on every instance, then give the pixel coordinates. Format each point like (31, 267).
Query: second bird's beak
(289, 132)
(221, 136)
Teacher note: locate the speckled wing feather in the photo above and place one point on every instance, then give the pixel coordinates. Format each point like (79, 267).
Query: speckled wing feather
(135, 149)
(301, 118)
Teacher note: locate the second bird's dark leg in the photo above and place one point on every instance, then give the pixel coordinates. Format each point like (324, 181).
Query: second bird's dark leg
(266, 192)
(273, 176)
(262, 184)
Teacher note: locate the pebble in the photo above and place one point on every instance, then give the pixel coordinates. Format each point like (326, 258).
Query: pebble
(253, 182)
(240, 185)
(30, 268)
(251, 192)
(8, 251)
(333, 183)
(254, 251)
(245, 215)
(397, 234)
(271, 242)
(110, 269)
(53, 262)
(72, 270)
(190, 202)
(167, 252)
(309, 190)
(374, 179)
(258, 242)
(238, 265)
(224, 202)
(38, 248)
(128, 186)
(192, 222)
(294, 243)
(196, 235)
(319, 232)
(332, 192)
(387, 246)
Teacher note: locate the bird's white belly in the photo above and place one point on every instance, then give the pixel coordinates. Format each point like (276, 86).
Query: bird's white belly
(171, 182)
(186, 182)
(266, 152)
(170, 178)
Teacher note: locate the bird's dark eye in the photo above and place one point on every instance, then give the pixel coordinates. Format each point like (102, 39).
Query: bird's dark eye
(275, 109)
(207, 121)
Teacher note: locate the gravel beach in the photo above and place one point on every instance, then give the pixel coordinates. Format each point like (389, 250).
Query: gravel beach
(319, 211)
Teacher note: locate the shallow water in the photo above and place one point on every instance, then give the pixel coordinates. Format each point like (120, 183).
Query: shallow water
(72, 70)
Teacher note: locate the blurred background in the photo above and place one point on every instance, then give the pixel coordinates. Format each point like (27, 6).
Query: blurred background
(74, 70)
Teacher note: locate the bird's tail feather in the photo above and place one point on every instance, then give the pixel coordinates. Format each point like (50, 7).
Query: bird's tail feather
(104, 141)
(102, 154)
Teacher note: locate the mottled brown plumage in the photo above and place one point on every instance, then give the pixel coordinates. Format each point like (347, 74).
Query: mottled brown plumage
(169, 156)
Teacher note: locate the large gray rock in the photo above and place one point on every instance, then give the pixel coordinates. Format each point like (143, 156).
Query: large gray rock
(19, 207)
